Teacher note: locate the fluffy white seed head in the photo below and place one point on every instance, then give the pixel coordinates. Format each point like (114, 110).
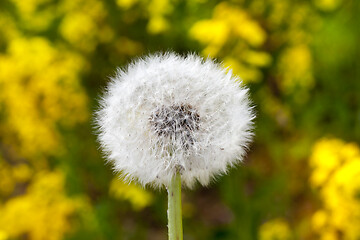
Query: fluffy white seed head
(166, 113)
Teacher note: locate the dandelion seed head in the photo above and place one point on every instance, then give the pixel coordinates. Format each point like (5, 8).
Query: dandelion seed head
(167, 113)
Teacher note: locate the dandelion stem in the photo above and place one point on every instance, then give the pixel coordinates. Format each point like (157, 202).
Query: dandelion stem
(174, 208)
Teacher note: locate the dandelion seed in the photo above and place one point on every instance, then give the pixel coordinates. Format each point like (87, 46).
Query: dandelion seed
(171, 114)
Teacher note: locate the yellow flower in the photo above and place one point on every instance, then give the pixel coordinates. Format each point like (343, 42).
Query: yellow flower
(295, 67)
(255, 58)
(247, 73)
(42, 213)
(159, 7)
(7, 182)
(233, 26)
(327, 5)
(126, 4)
(79, 29)
(40, 87)
(22, 172)
(157, 24)
(137, 196)
(319, 220)
(3, 235)
(28, 6)
(335, 172)
(276, 229)
(214, 32)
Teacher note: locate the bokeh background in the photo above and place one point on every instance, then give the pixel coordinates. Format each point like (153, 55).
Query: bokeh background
(301, 60)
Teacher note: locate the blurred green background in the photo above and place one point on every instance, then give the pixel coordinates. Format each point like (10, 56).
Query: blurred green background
(301, 60)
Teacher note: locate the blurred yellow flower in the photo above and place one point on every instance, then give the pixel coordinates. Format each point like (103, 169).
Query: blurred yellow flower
(295, 73)
(159, 7)
(33, 15)
(279, 13)
(246, 72)
(214, 32)
(82, 24)
(335, 172)
(327, 5)
(79, 29)
(255, 58)
(28, 6)
(22, 172)
(242, 24)
(137, 196)
(327, 156)
(7, 182)
(126, 4)
(40, 87)
(228, 20)
(157, 24)
(233, 26)
(295, 65)
(157, 10)
(319, 220)
(3, 235)
(276, 229)
(42, 213)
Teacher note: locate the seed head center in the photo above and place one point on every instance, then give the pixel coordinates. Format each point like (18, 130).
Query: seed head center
(176, 121)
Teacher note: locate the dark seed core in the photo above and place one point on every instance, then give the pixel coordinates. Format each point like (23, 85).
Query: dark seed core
(177, 122)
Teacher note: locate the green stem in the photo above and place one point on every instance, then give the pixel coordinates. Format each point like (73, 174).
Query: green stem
(174, 208)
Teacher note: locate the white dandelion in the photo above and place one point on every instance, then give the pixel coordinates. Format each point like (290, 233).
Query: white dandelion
(166, 114)
(168, 119)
